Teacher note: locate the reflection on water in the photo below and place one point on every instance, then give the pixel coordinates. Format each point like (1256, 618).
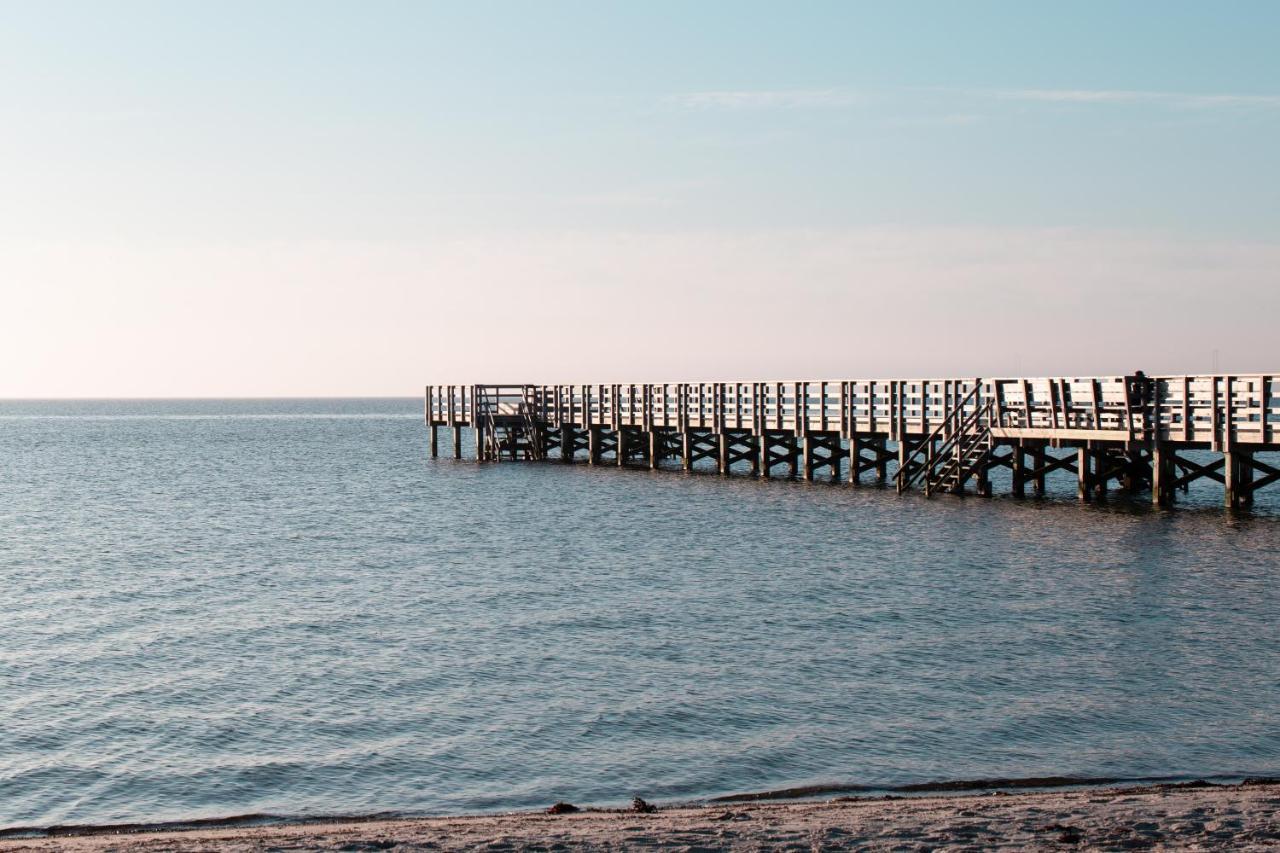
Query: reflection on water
(288, 612)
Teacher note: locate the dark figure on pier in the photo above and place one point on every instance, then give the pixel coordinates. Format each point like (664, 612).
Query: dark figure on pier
(1138, 390)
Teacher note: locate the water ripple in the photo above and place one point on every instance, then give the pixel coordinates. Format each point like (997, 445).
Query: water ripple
(281, 607)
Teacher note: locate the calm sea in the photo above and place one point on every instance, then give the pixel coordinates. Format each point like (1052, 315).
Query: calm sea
(222, 607)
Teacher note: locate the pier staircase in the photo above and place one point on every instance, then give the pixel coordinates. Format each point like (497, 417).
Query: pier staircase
(507, 419)
(958, 449)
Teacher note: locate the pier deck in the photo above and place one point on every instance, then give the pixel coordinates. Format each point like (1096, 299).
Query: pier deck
(1130, 432)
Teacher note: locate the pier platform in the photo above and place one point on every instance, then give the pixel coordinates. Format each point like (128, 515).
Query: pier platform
(1131, 433)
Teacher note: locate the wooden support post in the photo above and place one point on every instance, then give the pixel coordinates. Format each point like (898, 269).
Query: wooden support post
(904, 453)
(1162, 475)
(1101, 464)
(1018, 465)
(982, 475)
(1238, 476)
(655, 448)
(593, 445)
(1037, 461)
(855, 459)
(622, 445)
(685, 461)
(1245, 485)
(434, 441)
(480, 446)
(882, 459)
(755, 456)
(793, 455)
(457, 442)
(765, 467)
(1083, 458)
(1131, 481)
(724, 452)
(568, 442)
(1231, 479)
(808, 449)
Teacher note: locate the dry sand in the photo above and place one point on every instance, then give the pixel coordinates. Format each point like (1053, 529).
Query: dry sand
(1235, 817)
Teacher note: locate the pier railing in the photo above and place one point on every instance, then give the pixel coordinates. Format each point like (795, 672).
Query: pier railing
(1218, 411)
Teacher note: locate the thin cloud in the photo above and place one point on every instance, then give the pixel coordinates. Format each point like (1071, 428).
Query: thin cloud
(1180, 100)
(763, 99)
(833, 98)
(943, 120)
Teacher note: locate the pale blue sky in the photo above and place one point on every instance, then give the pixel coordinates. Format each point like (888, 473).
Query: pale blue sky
(334, 198)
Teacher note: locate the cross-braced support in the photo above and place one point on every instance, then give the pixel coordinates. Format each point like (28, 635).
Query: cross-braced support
(568, 439)
(1037, 464)
(697, 445)
(778, 447)
(823, 450)
(632, 446)
(869, 455)
(1239, 472)
(1244, 475)
(600, 442)
(1097, 468)
(664, 444)
(734, 446)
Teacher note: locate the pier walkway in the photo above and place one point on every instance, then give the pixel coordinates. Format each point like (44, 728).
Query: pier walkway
(1131, 433)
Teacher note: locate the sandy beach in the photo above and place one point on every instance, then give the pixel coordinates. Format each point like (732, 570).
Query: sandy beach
(1167, 817)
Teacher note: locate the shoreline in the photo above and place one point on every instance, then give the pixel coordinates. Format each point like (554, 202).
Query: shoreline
(795, 794)
(1244, 815)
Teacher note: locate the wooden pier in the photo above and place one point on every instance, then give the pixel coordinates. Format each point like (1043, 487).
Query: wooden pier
(1129, 433)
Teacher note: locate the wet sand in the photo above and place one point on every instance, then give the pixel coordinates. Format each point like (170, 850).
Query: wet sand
(1163, 817)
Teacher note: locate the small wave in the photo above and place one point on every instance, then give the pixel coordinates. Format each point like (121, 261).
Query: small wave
(964, 785)
(231, 822)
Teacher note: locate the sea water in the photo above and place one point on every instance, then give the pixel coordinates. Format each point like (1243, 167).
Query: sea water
(213, 608)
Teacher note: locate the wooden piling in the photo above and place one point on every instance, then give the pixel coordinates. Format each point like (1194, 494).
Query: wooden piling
(1237, 475)
(1162, 475)
(1084, 482)
(982, 479)
(568, 443)
(1018, 467)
